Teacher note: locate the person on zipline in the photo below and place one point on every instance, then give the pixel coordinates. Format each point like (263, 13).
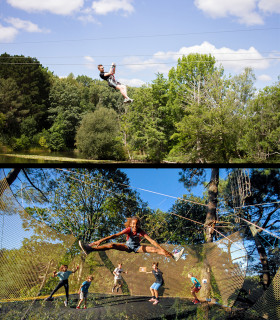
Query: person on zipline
(134, 233)
(110, 78)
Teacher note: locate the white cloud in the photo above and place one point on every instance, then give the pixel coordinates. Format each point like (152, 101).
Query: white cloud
(24, 25)
(132, 82)
(264, 77)
(270, 6)
(7, 34)
(244, 10)
(234, 60)
(103, 7)
(63, 7)
(86, 16)
(90, 62)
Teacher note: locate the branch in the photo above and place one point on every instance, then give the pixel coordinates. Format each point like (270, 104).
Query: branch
(269, 216)
(26, 175)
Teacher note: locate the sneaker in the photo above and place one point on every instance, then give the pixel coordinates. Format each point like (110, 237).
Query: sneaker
(178, 255)
(197, 302)
(156, 301)
(126, 100)
(152, 300)
(78, 308)
(66, 303)
(49, 299)
(117, 289)
(131, 100)
(85, 248)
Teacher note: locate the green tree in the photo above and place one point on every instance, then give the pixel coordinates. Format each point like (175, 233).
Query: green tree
(65, 112)
(260, 141)
(264, 188)
(150, 120)
(32, 83)
(88, 203)
(99, 135)
(11, 106)
(210, 129)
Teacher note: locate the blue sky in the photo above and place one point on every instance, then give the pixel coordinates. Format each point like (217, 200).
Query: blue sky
(143, 37)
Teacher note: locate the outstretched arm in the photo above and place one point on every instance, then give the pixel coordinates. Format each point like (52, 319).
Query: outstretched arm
(113, 236)
(73, 271)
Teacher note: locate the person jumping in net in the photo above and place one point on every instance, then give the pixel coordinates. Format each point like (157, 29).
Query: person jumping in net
(134, 233)
(110, 78)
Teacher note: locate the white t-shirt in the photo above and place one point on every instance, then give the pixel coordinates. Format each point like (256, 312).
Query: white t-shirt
(117, 273)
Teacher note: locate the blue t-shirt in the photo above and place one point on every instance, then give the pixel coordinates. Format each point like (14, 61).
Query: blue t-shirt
(85, 286)
(197, 285)
(64, 275)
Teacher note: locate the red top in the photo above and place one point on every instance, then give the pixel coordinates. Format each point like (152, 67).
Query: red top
(130, 233)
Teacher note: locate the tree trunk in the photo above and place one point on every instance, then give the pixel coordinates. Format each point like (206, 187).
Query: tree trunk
(263, 258)
(211, 216)
(11, 177)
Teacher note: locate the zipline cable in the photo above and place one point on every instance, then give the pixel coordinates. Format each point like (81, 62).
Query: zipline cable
(142, 36)
(126, 185)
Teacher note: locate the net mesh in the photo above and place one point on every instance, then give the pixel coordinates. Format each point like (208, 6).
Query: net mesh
(30, 251)
(268, 306)
(25, 266)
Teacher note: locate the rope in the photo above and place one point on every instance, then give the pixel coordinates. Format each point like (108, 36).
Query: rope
(146, 36)
(249, 222)
(126, 185)
(258, 204)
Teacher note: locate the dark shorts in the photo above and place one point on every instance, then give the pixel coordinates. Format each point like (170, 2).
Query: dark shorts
(196, 289)
(113, 83)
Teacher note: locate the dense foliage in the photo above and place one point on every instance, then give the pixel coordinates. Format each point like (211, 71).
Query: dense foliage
(196, 115)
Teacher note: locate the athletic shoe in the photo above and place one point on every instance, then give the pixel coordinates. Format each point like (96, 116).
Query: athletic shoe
(126, 100)
(156, 301)
(152, 300)
(78, 308)
(197, 302)
(49, 299)
(131, 100)
(178, 255)
(66, 303)
(117, 289)
(194, 301)
(85, 248)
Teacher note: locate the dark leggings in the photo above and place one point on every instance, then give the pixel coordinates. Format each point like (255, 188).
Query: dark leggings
(66, 287)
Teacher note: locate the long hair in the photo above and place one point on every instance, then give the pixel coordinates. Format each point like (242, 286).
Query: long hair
(128, 221)
(63, 266)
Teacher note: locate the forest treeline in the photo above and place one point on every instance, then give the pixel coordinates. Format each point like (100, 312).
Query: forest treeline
(196, 114)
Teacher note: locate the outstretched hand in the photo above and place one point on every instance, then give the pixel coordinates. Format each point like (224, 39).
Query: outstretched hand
(96, 243)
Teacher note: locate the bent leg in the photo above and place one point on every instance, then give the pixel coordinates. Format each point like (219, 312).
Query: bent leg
(123, 90)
